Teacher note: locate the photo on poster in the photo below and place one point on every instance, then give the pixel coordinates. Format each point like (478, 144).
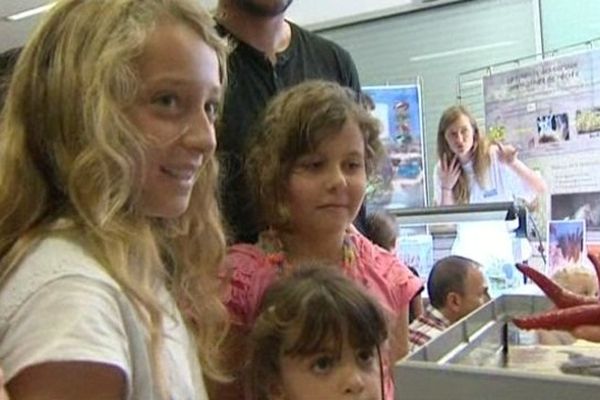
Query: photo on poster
(587, 121)
(580, 206)
(566, 244)
(552, 128)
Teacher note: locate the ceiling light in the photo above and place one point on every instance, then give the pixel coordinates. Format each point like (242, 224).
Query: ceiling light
(30, 12)
(464, 50)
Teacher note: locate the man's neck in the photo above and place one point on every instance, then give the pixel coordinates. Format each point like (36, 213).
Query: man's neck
(270, 35)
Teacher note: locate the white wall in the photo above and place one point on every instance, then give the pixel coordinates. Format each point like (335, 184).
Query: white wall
(320, 12)
(317, 12)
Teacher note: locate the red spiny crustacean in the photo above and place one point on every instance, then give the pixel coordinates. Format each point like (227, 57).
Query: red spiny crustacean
(573, 309)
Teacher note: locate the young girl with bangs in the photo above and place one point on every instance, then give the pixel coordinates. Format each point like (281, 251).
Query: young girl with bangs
(308, 168)
(318, 336)
(110, 235)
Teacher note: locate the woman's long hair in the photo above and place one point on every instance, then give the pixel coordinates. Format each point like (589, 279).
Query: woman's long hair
(68, 152)
(481, 152)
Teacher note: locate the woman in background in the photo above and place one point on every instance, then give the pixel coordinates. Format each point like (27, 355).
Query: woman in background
(472, 170)
(110, 235)
(381, 229)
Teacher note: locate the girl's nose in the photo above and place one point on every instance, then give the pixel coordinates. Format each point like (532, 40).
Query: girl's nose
(337, 178)
(353, 379)
(199, 133)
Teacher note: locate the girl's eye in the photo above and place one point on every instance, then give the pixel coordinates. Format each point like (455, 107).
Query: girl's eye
(167, 101)
(322, 364)
(365, 356)
(355, 164)
(211, 108)
(311, 164)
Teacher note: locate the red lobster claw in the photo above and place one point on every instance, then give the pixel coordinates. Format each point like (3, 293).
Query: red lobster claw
(574, 310)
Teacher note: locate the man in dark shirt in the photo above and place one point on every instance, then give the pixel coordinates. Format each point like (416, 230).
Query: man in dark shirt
(269, 54)
(8, 59)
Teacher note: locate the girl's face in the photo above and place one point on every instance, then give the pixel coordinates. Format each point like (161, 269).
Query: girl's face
(352, 374)
(326, 188)
(460, 137)
(176, 110)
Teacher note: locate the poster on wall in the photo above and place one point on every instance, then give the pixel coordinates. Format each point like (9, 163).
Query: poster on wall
(566, 245)
(551, 112)
(399, 181)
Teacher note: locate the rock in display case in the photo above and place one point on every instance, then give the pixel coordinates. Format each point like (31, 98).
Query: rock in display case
(484, 356)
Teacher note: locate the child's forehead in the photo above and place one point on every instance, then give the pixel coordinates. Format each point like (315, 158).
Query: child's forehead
(332, 341)
(334, 139)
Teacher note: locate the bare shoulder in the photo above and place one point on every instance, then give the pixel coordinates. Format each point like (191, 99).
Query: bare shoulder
(69, 380)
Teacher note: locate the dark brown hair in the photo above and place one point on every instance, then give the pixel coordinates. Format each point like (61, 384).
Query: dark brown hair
(8, 60)
(381, 229)
(448, 275)
(302, 313)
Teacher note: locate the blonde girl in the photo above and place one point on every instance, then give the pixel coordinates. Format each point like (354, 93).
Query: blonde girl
(110, 233)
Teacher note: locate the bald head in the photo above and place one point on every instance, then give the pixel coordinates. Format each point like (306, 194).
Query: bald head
(456, 286)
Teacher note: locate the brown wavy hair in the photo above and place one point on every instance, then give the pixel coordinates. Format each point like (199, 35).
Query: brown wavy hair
(481, 151)
(69, 152)
(293, 124)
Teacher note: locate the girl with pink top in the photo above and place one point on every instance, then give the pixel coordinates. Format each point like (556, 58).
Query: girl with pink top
(308, 167)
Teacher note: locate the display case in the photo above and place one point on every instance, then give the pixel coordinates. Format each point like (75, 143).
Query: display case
(496, 237)
(484, 356)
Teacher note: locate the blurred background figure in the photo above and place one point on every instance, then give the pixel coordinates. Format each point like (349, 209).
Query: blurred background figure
(381, 229)
(8, 59)
(456, 287)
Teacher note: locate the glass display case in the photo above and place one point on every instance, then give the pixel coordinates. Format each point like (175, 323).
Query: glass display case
(494, 234)
(484, 356)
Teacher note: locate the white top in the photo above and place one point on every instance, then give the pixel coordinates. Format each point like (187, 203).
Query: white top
(502, 183)
(60, 305)
(489, 242)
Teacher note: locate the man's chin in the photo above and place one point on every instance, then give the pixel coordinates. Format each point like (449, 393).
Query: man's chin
(260, 10)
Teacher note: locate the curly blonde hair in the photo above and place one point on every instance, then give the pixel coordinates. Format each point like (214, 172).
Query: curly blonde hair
(293, 124)
(481, 153)
(69, 152)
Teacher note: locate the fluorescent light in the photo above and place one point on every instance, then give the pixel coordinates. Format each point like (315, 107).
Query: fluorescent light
(30, 12)
(463, 50)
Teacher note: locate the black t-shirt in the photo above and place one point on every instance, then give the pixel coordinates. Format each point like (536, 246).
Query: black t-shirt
(253, 81)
